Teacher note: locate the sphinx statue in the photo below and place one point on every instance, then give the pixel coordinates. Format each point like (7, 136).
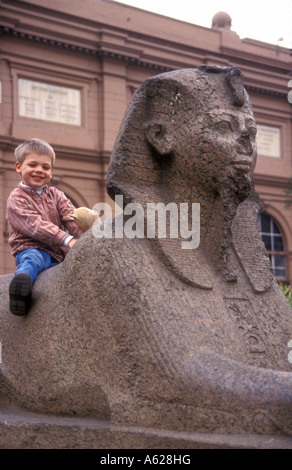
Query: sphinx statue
(144, 331)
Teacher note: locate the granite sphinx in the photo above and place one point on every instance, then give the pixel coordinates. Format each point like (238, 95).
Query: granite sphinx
(140, 332)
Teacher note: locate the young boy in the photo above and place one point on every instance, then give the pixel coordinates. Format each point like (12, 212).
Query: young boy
(41, 227)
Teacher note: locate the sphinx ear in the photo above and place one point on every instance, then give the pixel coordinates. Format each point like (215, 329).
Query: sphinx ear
(159, 137)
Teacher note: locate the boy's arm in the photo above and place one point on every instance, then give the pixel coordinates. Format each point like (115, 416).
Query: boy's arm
(66, 209)
(26, 220)
(72, 242)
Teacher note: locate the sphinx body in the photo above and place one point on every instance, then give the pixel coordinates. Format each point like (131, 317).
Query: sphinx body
(141, 331)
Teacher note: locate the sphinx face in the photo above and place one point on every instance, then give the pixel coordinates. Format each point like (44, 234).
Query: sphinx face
(233, 150)
(221, 149)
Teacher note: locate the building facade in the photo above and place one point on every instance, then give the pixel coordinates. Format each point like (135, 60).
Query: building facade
(68, 69)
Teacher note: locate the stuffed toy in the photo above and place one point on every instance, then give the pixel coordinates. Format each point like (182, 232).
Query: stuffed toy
(85, 218)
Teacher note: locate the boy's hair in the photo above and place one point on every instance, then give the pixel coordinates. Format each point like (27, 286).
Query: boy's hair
(35, 145)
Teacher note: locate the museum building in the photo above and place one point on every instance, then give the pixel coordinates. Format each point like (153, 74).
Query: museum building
(69, 68)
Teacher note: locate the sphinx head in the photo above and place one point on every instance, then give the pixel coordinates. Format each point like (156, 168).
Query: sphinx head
(190, 129)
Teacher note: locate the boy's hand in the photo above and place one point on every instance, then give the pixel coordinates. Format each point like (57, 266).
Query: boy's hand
(72, 242)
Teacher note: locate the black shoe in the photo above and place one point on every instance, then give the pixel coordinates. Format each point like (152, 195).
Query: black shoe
(20, 293)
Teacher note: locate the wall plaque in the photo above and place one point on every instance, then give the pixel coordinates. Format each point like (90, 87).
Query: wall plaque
(268, 141)
(47, 102)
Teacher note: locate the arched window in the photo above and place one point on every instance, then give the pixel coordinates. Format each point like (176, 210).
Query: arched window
(274, 242)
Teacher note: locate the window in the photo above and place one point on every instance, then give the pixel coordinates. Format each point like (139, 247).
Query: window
(274, 243)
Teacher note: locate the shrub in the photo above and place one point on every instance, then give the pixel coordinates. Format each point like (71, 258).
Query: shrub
(287, 290)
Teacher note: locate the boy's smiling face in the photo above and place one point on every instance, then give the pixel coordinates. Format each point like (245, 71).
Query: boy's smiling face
(36, 170)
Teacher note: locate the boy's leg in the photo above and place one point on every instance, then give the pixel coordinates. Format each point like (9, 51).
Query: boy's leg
(20, 294)
(30, 263)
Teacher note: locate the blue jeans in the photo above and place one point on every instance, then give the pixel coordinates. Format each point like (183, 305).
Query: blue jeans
(32, 261)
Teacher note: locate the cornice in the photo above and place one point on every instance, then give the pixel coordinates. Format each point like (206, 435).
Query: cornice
(266, 91)
(101, 51)
(271, 181)
(9, 143)
(273, 63)
(130, 55)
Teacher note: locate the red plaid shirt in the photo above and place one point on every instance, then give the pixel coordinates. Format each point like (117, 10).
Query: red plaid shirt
(40, 221)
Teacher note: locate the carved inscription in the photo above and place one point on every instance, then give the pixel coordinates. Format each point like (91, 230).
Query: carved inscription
(268, 141)
(48, 102)
(249, 330)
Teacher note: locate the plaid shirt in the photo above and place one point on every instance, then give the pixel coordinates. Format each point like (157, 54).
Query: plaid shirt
(40, 221)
